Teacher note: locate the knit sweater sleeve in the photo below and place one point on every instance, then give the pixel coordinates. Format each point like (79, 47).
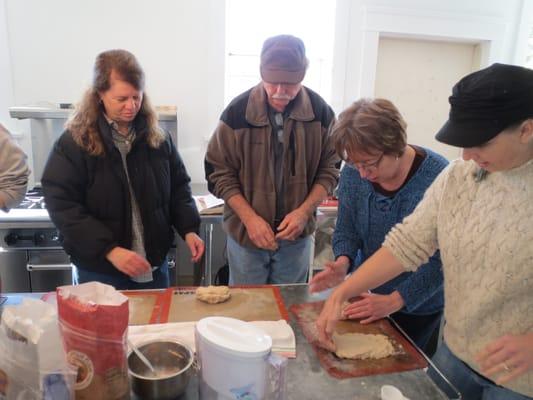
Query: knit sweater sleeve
(414, 240)
(422, 285)
(346, 241)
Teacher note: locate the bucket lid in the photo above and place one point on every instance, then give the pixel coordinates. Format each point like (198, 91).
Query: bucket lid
(234, 336)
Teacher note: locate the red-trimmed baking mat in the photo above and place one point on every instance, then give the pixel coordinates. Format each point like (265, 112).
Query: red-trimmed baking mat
(406, 357)
(145, 306)
(247, 303)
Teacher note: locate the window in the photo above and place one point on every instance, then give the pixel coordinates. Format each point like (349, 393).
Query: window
(250, 22)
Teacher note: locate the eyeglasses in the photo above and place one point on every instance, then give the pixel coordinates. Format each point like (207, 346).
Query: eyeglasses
(369, 166)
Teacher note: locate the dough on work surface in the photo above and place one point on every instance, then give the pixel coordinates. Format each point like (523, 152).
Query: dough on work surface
(362, 346)
(213, 294)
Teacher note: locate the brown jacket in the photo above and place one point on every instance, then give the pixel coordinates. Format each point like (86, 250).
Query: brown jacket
(239, 158)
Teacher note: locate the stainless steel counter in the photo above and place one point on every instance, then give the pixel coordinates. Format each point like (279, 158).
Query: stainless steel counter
(307, 380)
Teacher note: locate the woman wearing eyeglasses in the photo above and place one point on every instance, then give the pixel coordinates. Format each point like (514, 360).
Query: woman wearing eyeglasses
(382, 181)
(478, 214)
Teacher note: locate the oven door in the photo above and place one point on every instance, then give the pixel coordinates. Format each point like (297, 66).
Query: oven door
(49, 269)
(13, 276)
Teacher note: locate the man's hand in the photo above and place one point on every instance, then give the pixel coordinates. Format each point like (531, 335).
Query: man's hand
(507, 357)
(372, 307)
(196, 246)
(260, 233)
(332, 275)
(128, 262)
(292, 225)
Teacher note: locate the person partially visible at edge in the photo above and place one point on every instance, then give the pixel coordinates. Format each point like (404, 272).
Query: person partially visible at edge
(272, 161)
(14, 171)
(478, 213)
(115, 185)
(382, 181)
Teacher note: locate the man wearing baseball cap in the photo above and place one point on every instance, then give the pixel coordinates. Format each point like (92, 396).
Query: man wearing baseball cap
(272, 161)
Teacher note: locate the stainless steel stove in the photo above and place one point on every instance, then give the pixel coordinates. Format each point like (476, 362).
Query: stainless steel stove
(31, 256)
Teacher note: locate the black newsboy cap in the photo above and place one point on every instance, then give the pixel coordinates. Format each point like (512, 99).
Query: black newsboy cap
(486, 102)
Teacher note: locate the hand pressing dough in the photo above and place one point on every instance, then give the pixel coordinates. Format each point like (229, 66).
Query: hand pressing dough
(213, 294)
(362, 346)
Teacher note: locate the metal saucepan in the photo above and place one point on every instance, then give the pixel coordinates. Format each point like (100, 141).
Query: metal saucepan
(172, 362)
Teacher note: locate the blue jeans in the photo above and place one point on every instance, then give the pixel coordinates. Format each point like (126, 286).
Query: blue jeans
(472, 385)
(160, 281)
(288, 264)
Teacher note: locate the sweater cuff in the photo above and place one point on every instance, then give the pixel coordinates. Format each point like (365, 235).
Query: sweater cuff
(186, 231)
(407, 297)
(343, 249)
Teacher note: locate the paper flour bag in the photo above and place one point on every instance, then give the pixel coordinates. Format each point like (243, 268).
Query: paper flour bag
(93, 318)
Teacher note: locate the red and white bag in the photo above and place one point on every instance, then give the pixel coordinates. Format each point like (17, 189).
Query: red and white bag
(93, 319)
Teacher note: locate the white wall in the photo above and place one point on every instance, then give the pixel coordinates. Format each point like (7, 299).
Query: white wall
(495, 25)
(6, 87)
(416, 75)
(47, 48)
(180, 44)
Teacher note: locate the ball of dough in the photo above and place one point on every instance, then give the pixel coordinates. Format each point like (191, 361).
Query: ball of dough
(213, 294)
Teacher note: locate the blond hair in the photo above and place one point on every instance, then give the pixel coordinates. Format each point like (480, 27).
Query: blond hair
(370, 126)
(83, 124)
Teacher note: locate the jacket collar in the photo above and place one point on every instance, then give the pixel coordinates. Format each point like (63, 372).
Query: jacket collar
(139, 123)
(257, 107)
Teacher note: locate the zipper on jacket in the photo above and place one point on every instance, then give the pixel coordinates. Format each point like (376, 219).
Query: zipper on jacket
(292, 148)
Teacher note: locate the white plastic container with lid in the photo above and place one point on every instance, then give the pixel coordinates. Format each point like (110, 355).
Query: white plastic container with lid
(233, 357)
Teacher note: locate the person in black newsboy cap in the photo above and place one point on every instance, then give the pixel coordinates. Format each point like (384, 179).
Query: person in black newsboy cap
(486, 102)
(477, 213)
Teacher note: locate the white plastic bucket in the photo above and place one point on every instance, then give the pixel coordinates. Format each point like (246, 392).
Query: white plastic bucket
(233, 356)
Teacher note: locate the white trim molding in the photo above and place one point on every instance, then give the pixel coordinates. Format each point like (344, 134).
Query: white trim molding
(380, 21)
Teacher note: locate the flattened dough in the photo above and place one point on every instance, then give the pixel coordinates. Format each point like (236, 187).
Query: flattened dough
(362, 346)
(213, 294)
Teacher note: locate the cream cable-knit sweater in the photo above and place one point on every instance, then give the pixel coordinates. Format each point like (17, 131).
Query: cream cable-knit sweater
(484, 231)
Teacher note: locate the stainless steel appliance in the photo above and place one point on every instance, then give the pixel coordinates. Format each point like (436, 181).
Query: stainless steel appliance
(31, 257)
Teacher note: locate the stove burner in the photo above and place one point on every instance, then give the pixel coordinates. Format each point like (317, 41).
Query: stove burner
(32, 202)
(34, 199)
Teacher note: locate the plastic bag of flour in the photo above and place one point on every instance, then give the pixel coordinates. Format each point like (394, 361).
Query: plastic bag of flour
(33, 365)
(93, 318)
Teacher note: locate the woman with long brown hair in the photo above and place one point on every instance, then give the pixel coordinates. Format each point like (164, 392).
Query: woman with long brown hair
(115, 185)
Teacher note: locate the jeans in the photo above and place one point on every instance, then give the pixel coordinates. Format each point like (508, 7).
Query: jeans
(472, 385)
(288, 264)
(160, 281)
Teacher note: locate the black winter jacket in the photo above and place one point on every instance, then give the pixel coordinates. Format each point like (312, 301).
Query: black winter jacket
(88, 197)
